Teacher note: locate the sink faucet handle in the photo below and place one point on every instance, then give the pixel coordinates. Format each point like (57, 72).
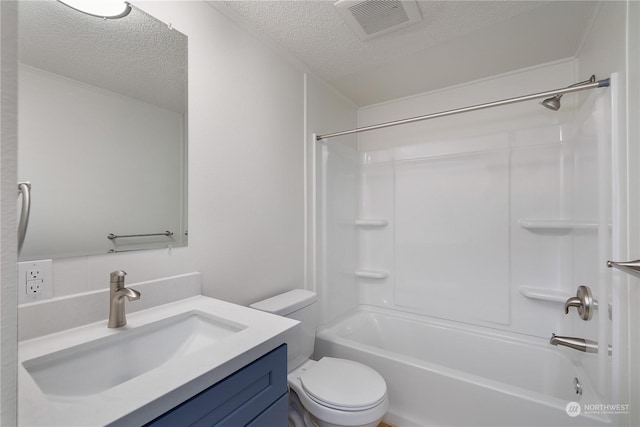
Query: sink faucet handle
(117, 277)
(583, 301)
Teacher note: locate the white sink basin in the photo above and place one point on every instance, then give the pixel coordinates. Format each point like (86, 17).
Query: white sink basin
(95, 366)
(92, 375)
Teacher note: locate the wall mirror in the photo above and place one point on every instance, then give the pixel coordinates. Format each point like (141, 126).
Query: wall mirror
(102, 131)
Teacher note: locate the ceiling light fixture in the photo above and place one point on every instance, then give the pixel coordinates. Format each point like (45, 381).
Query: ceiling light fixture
(107, 9)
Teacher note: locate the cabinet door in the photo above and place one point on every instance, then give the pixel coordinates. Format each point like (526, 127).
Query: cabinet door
(237, 400)
(276, 416)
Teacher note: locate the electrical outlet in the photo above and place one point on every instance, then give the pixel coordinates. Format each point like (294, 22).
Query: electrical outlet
(35, 287)
(34, 273)
(35, 280)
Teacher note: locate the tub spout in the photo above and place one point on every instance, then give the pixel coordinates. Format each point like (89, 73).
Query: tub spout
(581, 344)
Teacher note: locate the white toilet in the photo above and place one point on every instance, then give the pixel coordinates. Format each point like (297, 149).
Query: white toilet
(330, 392)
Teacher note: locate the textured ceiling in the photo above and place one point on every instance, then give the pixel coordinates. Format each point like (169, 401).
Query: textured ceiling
(136, 56)
(457, 41)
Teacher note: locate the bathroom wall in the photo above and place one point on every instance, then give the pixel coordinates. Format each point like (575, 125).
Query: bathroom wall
(8, 222)
(246, 181)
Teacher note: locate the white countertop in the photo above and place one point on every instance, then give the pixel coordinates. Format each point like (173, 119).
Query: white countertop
(149, 395)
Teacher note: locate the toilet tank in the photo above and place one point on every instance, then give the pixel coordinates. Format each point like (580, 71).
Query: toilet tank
(300, 305)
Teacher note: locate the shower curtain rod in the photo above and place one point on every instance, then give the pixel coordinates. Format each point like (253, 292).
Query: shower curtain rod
(570, 89)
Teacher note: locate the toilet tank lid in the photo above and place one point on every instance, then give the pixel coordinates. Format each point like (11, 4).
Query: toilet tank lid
(286, 303)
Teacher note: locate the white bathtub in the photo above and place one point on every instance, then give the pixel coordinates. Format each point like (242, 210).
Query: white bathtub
(444, 374)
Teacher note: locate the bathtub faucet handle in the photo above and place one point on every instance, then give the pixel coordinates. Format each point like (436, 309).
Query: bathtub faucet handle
(572, 302)
(584, 303)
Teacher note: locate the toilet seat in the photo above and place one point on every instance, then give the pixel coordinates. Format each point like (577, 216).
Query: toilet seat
(338, 414)
(344, 385)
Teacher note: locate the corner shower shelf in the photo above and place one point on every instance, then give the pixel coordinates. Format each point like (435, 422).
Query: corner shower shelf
(558, 224)
(544, 294)
(370, 274)
(372, 222)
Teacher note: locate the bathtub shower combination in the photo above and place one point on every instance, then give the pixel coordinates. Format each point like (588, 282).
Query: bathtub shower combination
(445, 265)
(439, 373)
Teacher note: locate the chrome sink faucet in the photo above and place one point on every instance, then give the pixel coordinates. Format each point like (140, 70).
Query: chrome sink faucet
(117, 292)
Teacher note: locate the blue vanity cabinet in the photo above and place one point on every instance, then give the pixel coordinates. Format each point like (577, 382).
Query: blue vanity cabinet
(256, 395)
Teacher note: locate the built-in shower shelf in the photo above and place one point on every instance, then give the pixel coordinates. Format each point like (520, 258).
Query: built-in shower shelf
(372, 274)
(558, 224)
(371, 222)
(544, 294)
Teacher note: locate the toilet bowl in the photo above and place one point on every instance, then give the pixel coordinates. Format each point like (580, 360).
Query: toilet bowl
(330, 392)
(339, 393)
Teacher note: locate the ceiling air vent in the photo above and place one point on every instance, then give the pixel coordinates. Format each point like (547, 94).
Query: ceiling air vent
(373, 18)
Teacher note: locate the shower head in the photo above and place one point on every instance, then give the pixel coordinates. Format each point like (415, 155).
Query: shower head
(553, 103)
